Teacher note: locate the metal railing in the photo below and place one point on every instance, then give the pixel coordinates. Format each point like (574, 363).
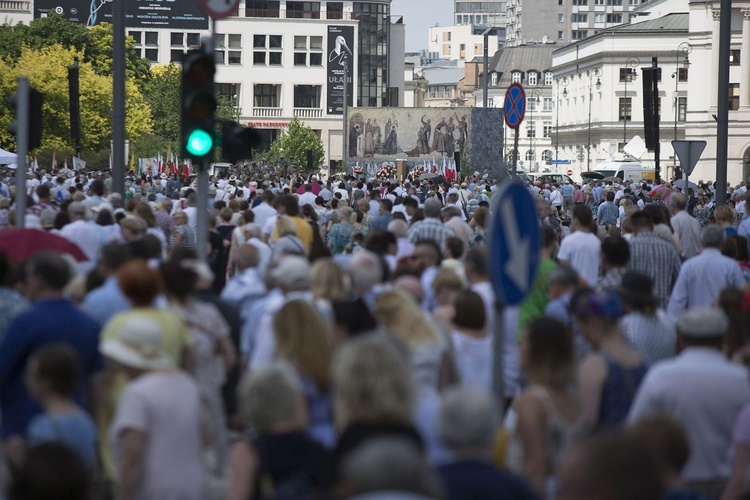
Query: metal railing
(15, 5)
(267, 112)
(308, 112)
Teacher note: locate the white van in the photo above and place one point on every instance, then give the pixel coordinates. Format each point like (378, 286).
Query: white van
(628, 171)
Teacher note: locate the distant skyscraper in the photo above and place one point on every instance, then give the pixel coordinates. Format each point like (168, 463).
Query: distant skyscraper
(489, 13)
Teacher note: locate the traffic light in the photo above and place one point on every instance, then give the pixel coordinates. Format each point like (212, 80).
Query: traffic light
(35, 118)
(238, 142)
(198, 104)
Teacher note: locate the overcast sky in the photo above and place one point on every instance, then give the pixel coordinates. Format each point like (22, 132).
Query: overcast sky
(419, 15)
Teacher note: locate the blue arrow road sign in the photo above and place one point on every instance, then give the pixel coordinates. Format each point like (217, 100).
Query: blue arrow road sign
(514, 107)
(514, 243)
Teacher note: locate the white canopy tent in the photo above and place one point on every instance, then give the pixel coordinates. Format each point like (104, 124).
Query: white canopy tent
(7, 157)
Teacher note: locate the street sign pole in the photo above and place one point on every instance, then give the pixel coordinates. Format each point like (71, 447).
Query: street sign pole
(514, 109)
(689, 152)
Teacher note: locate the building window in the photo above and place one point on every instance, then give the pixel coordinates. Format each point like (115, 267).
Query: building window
(600, 18)
(493, 79)
(180, 43)
(261, 8)
(547, 129)
(548, 78)
(146, 44)
(734, 96)
(229, 91)
(267, 50)
(266, 95)
(634, 2)
(515, 77)
(598, 2)
(547, 106)
(627, 74)
(335, 10)
(439, 92)
(614, 2)
(228, 48)
(561, 18)
(626, 109)
(307, 96)
(532, 77)
(302, 10)
(580, 2)
(560, 35)
(580, 34)
(308, 50)
(530, 156)
(734, 57)
(580, 18)
(560, 2)
(531, 103)
(682, 74)
(681, 109)
(614, 18)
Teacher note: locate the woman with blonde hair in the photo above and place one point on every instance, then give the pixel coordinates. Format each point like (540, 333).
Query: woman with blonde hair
(446, 285)
(329, 282)
(288, 243)
(304, 339)
(373, 393)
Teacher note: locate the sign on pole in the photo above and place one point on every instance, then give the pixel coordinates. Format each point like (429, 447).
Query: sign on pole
(689, 152)
(514, 107)
(514, 244)
(220, 9)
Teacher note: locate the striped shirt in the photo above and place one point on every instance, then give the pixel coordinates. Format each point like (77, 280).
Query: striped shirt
(650, 335)
(429, 229)
(657, 259)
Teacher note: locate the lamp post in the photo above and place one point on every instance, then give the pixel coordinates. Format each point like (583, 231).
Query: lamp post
(630, 74)
(564, 82)
(596, 72)
(533, 101)
(684, 49)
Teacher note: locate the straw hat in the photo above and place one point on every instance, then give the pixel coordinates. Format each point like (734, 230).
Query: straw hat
(138, 345)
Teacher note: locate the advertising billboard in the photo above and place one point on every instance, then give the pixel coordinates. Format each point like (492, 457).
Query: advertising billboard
(173, 14)
(340, 52)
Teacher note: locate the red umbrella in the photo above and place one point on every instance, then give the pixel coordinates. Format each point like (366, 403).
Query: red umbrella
(315, 188)
(20, 244)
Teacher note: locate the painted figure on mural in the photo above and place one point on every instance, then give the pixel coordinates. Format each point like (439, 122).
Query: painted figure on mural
(391, 142)
(376, 137)
(369, 144)
(448, 139)
(437, 138)
(353, 138)
(463, 131)
(423, 137)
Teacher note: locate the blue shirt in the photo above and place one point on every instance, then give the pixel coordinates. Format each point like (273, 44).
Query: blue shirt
(478, 480)
(106, 301)
(77, 430)
(46, 322)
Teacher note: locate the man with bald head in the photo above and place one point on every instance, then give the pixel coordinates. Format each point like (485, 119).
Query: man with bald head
(431, 228)
(688, 228)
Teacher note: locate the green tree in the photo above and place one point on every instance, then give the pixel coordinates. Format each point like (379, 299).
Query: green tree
(162, 92)
(46, 69)
(294, 143)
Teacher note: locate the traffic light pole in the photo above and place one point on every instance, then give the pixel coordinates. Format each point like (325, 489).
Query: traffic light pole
(22, 145)
(201, 239)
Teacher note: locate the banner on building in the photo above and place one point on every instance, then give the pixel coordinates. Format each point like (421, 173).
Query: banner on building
(173, 14)
(340, 57)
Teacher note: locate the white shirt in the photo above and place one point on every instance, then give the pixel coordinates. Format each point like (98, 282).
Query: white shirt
(88, 240)
(473, 359)
(263, 212)
(307, 198)
(705, 393)
(582, 251)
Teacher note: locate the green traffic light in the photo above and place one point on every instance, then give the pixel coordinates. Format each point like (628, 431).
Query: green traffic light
(199, 143)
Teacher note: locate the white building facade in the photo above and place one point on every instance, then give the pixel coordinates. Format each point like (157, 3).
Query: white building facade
(274, 60)
(464, 42)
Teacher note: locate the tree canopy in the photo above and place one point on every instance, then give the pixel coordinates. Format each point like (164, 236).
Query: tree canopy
(293, 145)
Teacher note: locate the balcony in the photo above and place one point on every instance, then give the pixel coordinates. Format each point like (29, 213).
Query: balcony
(15, 5)
(308, 112)
(267, 112)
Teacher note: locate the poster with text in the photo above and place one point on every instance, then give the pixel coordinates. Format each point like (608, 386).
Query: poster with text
(172, 14)
(340, 57)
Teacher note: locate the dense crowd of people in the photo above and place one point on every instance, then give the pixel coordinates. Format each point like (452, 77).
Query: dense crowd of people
(337, 342)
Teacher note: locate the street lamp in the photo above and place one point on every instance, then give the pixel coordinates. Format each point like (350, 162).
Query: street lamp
(596, 72)
(564, 82)
(684, 49)
(535, 93)
(630, 74)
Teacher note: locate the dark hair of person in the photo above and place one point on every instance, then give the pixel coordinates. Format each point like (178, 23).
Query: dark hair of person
(59, 366)
(178, 281)
(477, 258)
(551, 353)
(549, 236)
(642, 220)
(354, 315)
(470, 312)
(105, 218)
(582, 214)
(735, 247)
(51, 471)
(62, 219)
(616, 250)
(51, 268)
(454, 247)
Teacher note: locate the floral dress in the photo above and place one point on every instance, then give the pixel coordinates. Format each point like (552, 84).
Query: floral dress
(702, 213)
